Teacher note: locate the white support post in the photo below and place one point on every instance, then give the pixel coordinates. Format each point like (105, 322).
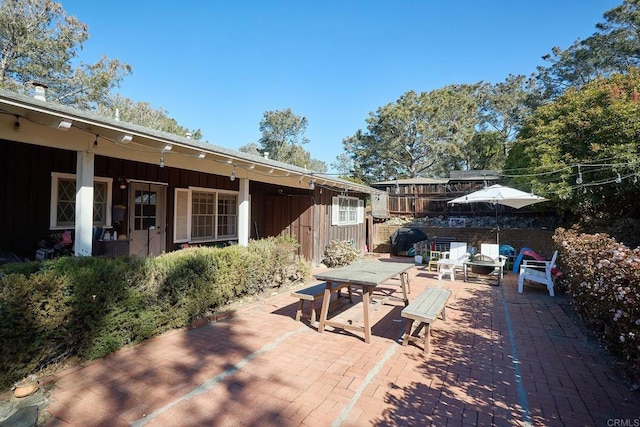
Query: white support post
(244, 213)
(84, 204)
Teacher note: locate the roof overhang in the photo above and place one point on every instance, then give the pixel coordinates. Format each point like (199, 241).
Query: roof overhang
(131, 141)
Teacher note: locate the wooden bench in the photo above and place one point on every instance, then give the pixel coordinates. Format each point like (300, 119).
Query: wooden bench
(425, 309)
(314, 293)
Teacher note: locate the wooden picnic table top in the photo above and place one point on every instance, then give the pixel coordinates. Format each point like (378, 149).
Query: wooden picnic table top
(365, 272)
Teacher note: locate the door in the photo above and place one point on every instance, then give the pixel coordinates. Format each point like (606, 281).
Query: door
(147, 221)
(300, 223)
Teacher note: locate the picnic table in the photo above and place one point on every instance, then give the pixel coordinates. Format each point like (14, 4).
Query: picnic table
(367, 274)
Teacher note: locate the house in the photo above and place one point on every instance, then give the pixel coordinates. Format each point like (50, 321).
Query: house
(419, 197)
(66, 169)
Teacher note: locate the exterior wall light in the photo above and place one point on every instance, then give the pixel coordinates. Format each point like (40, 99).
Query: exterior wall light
(65, 124)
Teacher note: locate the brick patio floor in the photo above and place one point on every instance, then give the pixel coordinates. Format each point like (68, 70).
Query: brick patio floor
(501, 358)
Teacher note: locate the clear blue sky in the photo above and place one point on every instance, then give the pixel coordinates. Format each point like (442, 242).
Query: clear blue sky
(219, 65)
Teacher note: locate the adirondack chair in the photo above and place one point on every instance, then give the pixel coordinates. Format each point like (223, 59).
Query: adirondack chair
(539, 272)
(452, 260)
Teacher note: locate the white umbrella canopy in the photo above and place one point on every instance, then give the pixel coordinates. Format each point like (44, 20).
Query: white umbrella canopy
(499, 195)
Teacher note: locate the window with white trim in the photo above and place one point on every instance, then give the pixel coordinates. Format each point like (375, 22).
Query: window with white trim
(347, 210)
(63, 201)
(204, 215)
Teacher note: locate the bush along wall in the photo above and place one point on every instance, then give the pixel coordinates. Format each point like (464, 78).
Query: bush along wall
(89, 307)
(602, 277)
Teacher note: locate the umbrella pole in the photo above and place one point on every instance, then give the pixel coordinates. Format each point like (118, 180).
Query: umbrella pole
(497, 229)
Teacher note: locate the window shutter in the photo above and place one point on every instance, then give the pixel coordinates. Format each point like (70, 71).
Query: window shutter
(335, 210)
(360, 211)
(181, 216)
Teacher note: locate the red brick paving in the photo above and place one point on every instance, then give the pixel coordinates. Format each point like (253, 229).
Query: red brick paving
(261, 367)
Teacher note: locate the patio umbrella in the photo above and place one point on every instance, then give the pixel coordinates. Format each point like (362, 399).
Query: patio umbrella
(499, 195)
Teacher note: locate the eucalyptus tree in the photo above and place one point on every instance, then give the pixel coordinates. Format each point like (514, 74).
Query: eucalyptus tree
(40, 43)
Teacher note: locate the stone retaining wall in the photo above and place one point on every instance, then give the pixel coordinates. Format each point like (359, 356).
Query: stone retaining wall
(539, 240)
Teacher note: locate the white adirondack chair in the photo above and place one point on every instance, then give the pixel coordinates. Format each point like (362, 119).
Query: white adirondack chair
(492, 250)
(452, 260)
(539, 272)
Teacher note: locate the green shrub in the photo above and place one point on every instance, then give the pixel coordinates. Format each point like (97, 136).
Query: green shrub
(90, 307)
(275, 263)
(36, 323)
(25, 268)
(339, 253)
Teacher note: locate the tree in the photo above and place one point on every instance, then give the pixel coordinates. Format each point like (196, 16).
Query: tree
(282, 138)
(504, 107)
(251, 148)
(581, 150)
(38, 43)
(143, 114)
(280, 130)
(612, 49)
(422, 134)
(485, 152)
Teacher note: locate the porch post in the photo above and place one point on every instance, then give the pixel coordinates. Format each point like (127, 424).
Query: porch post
(84, 203)
(244, 217)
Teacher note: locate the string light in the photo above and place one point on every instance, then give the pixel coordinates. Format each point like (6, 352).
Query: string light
(579, 179)
(233, 174)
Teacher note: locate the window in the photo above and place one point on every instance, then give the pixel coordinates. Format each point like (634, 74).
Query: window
(203, 215)
(63, 201)
(347, 211)
(227, 215)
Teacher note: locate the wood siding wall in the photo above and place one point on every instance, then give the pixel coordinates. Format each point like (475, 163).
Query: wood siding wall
(25, 189)
(431, 199)
(303, 214)
(25, 198)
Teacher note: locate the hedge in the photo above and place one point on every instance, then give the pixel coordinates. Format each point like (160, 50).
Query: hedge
(602, 279)
(89, 307)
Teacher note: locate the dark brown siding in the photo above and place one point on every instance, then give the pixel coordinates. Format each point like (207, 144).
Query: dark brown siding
(25, 193)
(303, 214)
(327, 232)
(25, 189)
(283, 211)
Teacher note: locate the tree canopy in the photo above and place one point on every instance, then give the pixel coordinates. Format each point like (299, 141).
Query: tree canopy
(142, 113)
(503, 108)
(428, 134)
(613, 48)
(39, 42)
(581, 150)
(282, 138)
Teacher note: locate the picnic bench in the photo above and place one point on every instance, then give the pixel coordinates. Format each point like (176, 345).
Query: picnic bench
(425, 309)
(314, 293)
